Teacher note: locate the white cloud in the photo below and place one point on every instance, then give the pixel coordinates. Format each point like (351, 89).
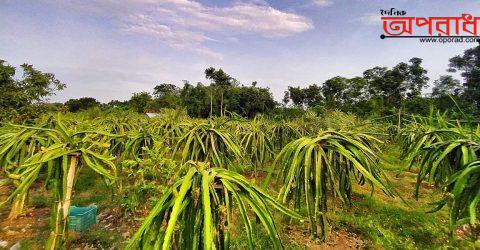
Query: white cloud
(323, 3)
(188, 25)
(260, 19)
(179, 39)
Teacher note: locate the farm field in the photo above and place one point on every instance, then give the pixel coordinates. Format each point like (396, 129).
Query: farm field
(240, 182)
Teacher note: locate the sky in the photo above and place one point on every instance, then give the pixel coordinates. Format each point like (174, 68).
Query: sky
(110, 49)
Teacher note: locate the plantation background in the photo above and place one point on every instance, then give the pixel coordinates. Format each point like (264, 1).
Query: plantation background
(366, 162)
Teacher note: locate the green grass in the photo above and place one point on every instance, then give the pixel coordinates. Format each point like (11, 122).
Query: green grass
(98, 238)
(90, 189)
(40, 200)
(392, 227)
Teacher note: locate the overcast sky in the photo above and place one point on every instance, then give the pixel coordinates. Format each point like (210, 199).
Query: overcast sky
(109, 49)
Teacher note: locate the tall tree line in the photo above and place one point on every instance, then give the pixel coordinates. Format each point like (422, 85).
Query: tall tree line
(378, 91)
(383, 90)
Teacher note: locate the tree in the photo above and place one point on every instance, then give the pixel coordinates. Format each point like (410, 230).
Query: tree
(250, 101)
(164, 89)
(417, 79)
(247, 101)
(297, 96)
(37, 85)
(381, 90)
(75, 105)
(334, 91)
(124, 105)
(140, 101)
(356, 96)
(312, 95)
(394, 87)
(197, 100)
(166, 96)
(374, 78)
(469, 66)
(8, 89)
(387, 88)
(286, 98)
(446, 85)
(444, 90)
(221, 81)
(22, 98)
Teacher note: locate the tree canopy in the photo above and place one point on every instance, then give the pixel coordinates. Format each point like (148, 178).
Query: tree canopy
(23, 97)
(83, 103)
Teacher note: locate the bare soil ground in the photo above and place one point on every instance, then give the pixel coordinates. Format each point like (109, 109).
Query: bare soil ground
(340, 239)
(24, 227)
(27, 226)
